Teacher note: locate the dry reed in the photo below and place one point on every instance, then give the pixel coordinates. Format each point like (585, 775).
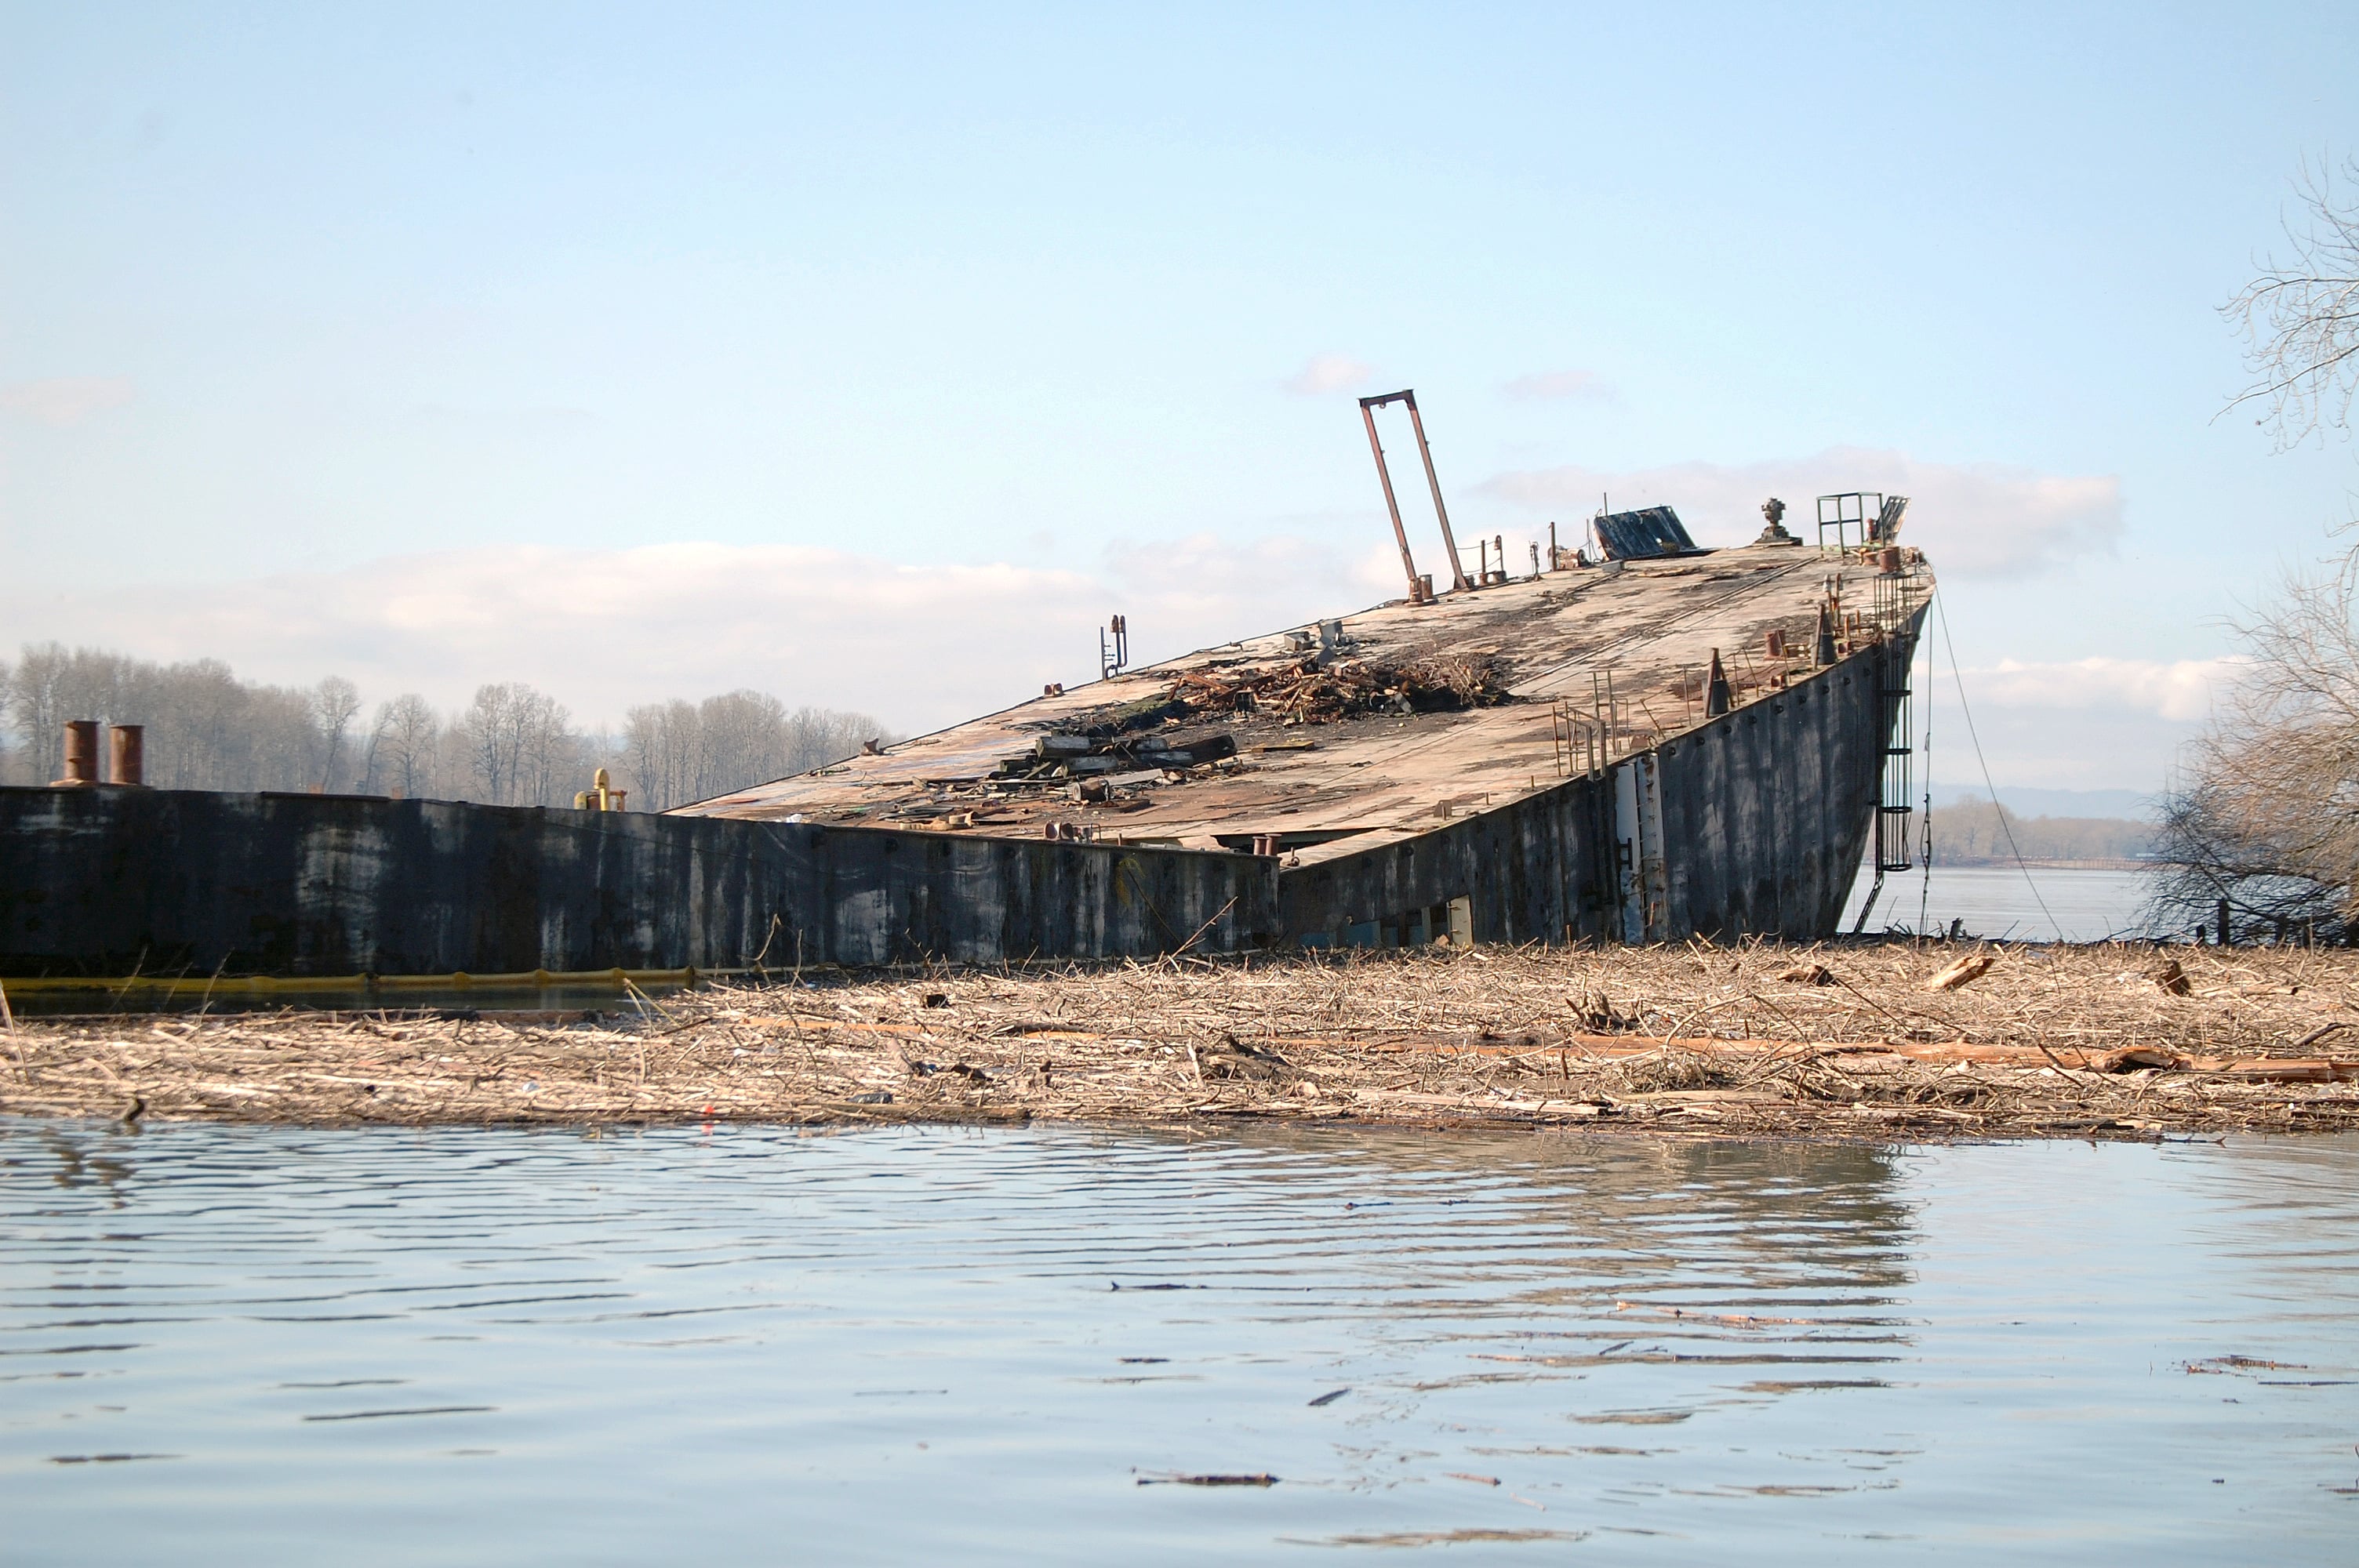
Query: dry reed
(1694, 1039)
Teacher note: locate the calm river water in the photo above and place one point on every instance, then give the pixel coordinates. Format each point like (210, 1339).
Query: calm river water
(2046, 903)
(240, 1345)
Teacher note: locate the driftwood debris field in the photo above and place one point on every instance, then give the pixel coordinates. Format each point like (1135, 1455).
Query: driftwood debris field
(1881, 1041)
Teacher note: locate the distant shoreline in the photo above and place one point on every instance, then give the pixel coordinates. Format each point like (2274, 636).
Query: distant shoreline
(1987, 864)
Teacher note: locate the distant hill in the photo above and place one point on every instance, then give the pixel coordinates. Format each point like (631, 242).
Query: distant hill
(1969, 830)
(2125, 805)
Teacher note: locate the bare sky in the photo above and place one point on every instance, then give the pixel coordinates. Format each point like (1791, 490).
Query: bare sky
(871, 355)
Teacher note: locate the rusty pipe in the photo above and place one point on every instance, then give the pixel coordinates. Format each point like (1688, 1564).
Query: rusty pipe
(1433, 482)
(81, 754)
(1400, 534)
(127, 760)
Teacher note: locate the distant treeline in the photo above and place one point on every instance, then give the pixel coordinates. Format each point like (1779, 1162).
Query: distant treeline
(511, 746)
(1974, 832)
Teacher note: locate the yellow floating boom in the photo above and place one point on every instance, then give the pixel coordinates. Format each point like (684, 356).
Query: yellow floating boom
(298, 985)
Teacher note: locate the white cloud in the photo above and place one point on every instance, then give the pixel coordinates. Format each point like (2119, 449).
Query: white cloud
(67, 400)
(2181, 690)
(928, 644)
(2095, 723)
(1280, 580)
(1559, 384)
(1328, 372)
(1973, 519)
(601, 630)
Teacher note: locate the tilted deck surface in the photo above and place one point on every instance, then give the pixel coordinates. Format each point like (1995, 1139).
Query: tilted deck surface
(1350, 784)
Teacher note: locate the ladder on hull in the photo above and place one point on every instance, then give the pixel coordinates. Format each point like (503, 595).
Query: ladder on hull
(1891, 795)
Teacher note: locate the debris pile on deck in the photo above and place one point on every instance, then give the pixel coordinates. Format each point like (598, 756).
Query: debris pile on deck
(1312, 692)
(1852, 1040)
(1154, 740)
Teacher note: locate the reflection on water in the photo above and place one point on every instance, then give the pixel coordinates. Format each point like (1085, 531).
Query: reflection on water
(232, 1344)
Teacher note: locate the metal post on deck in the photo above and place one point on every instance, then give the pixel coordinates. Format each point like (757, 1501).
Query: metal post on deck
(1400, 534)
(1433, 482)
(1369, 406)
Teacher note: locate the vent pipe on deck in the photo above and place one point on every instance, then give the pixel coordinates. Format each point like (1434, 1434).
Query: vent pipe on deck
(127, 761)
(81, 754)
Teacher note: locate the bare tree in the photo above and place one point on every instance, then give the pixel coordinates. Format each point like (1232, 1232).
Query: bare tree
(37, 706)
(2263, 826)
(206, 729)
(818, 736)
(511, 745)
(493, 734)
(14, 766)
(2266, 814)
(333, 702)
(742, 738)
(2300, 319)
(659, 745)
(550, 765)
(674, 752)
(403, 749)
(519, 741)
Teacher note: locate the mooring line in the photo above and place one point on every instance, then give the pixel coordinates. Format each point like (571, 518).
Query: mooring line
(1984, 763)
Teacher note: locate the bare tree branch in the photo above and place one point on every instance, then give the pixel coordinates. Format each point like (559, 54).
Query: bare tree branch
(2265, 816)
(2301, 320)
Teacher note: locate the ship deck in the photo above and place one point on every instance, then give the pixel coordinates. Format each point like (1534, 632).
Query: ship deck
(1573, 666)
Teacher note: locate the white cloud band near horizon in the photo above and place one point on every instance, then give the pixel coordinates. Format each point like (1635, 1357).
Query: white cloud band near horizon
(919, 646)
(1325, 374)
(1975, 520)
(2180, 690)
(1560, 385)
(2091, 723)
(66, 400)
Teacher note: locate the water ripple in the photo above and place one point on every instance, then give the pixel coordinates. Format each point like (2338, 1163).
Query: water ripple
(974, 1342)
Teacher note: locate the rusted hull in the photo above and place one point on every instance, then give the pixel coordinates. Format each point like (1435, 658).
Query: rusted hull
(1758, 821)
(1752, 823)
(103, 882)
